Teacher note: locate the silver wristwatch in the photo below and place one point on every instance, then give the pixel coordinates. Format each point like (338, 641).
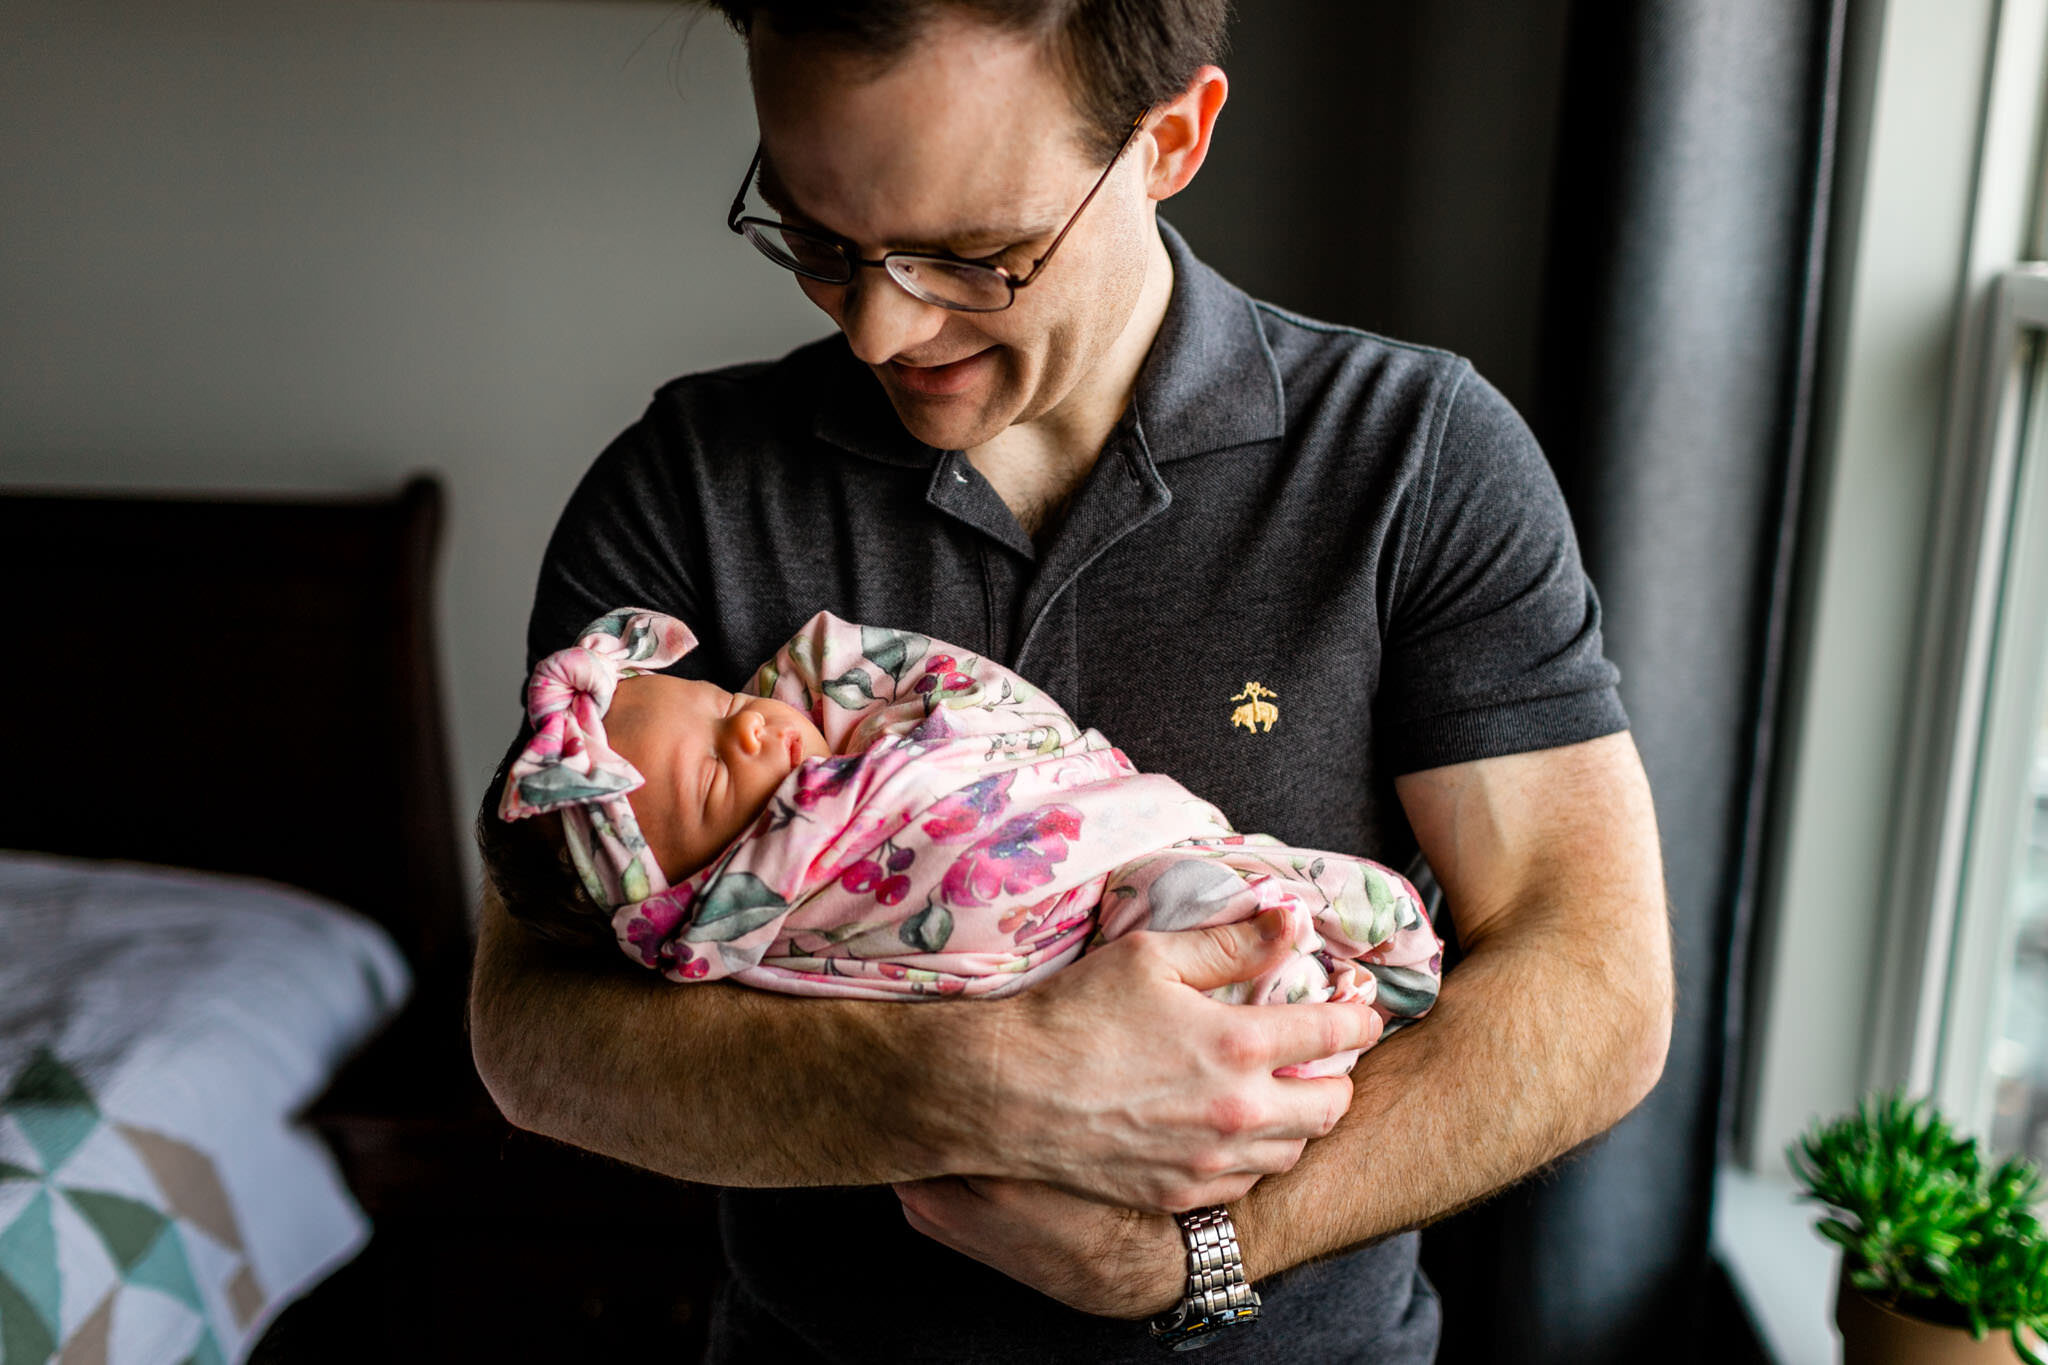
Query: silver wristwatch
(1218, 1295)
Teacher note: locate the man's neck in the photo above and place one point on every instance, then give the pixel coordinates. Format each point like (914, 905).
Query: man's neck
(1035, 466)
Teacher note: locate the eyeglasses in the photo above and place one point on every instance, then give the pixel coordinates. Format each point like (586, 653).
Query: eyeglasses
(937, 278)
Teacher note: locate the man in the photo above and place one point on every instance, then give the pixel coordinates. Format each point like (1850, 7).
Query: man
(1101, 464)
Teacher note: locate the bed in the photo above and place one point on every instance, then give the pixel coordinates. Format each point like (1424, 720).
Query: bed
(233, 950)
(190, 952)
(159, 1030)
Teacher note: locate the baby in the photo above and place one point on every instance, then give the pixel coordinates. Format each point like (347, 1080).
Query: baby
(879, 814)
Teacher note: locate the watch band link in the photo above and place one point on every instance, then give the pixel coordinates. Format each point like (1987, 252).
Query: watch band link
(1218, 1295)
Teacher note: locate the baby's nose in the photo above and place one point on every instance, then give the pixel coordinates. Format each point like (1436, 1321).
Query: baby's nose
(749, 731)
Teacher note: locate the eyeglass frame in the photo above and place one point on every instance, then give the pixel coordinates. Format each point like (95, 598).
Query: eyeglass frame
(737, 220)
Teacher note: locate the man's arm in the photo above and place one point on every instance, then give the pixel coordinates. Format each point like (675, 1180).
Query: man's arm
(726, 1085)
(1552, 1028)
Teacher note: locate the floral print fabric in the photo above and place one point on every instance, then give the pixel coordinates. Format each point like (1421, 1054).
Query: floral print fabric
(966, 837)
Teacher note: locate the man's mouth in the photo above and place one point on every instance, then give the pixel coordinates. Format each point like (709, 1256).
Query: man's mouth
(937, 380)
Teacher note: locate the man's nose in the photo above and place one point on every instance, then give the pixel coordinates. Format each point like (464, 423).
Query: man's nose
(881, 321)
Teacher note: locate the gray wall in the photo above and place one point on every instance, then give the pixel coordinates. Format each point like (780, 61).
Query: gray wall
(319, 245)
(300, 246)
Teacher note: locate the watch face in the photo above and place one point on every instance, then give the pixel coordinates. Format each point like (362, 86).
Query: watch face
(1202, 1331)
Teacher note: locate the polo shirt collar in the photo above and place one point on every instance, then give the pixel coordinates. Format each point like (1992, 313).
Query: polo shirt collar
(1209, 383)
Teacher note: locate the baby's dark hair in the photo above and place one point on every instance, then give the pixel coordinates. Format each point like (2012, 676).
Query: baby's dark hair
(529, 866)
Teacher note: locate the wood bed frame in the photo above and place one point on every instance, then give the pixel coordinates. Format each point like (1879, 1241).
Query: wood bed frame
(242, 687)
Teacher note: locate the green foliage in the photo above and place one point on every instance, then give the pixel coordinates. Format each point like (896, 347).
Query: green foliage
(1923, 1225)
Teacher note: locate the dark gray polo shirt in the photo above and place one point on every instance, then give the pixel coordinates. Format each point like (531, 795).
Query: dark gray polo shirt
(1363, 527)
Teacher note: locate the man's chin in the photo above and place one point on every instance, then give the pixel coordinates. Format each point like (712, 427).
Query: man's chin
(947, 423)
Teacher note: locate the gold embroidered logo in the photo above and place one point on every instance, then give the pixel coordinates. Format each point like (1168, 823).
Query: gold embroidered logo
(1256, 710)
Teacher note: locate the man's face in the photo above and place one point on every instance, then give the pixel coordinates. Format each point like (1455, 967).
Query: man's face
(967, 144)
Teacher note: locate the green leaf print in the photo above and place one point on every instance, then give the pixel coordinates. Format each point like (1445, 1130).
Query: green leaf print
(850, 688)
(1403, 990)
(765, 679)
(551, 785)
(641, 640)
(738, 903)
(928, 929)
(612, 623)
(893, 651)
(1381, 892)
(803, 652)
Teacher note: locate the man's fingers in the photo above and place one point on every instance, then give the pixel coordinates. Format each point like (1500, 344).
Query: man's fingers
(1225, 953)
(1309, 1033)
(1307, 1108)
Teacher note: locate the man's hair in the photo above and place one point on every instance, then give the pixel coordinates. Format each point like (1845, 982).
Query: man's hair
(1118, 56)
(529, 866)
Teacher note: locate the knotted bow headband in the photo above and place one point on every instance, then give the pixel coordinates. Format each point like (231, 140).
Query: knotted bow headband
(570, 767)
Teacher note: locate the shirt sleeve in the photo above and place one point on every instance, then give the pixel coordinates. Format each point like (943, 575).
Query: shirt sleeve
(618, 543)
(1493, 639)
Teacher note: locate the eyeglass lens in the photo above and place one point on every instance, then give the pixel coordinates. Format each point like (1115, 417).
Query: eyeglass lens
(934, 279)
(799, 251)
(937, 280)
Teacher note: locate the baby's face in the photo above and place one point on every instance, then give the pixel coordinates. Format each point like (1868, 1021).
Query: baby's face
(712, 758)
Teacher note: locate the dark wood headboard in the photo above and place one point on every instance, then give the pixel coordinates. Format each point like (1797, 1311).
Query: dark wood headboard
(242, 686)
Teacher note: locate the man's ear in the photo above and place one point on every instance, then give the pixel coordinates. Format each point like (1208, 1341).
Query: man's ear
(1180, 132)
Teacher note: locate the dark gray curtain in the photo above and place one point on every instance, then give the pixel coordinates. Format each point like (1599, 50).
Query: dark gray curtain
(1615, 210)
(1673, 389)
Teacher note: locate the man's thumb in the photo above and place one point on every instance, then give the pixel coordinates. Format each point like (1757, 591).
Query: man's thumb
(1225, 953)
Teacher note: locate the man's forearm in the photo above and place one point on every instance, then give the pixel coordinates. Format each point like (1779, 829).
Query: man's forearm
(1552, 1028)
(1533, 1077)
(712, 1082)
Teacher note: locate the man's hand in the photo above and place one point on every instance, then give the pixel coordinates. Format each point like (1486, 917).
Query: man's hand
(1117, 1080)
(1552, 1028)
(1114, 1263)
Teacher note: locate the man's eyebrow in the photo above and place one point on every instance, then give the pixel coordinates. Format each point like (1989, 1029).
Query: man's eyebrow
(777, 197)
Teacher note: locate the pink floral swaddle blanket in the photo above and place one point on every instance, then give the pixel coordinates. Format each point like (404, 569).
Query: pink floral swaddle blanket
(968, 838)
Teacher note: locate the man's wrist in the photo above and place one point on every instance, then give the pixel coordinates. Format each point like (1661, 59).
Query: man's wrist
(1251, 1238)
(1217, 1296)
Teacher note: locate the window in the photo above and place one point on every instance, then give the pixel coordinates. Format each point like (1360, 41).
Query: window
(1989, 1021)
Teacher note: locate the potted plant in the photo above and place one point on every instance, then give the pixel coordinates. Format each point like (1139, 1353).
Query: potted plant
(1939, 1252)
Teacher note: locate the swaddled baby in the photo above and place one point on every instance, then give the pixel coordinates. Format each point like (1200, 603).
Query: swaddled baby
(880, 814)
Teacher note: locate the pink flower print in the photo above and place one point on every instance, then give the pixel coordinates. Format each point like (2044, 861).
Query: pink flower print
(1016, 859)
(821, 779)
(969, 812)
(654, 922)
(942, 675)
(936, 668)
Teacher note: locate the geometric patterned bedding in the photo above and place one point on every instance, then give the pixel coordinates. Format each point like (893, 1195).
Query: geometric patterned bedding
(144, 1223)
(158, 1032)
